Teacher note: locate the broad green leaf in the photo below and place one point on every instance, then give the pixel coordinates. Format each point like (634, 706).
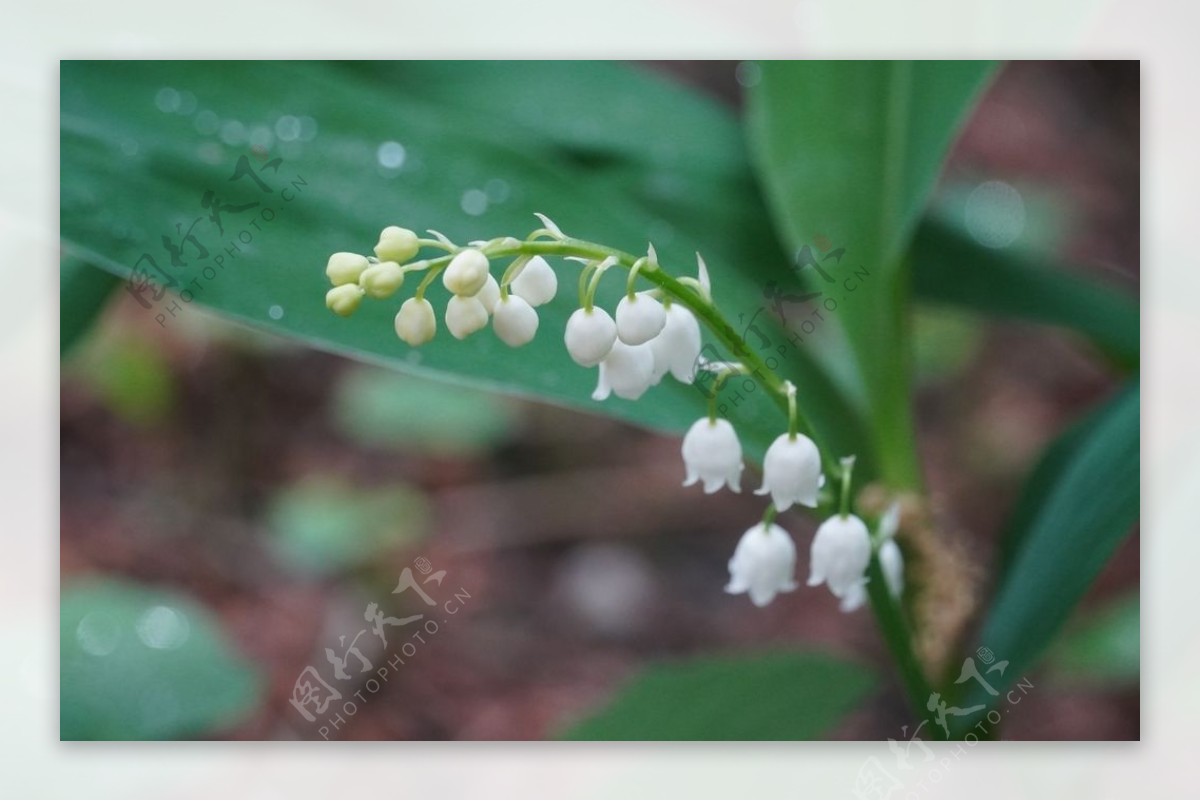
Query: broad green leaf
(773, 696)
(949, 268)
(1091, 507)
(83, 292)
(470, 149)
(138, 663)
(848, 152)
(1103, 648)
(1056, 458)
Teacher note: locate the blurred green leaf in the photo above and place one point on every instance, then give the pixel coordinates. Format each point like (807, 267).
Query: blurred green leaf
(144, 664)
(944, 342)
(1090, 507)
(83, 292)
(1103, 648)
(1055, 459)
(323, 526)
(773, 696)
(131, 377)
(948, 267)
(471, 149)
(378, 408)
(848, 152)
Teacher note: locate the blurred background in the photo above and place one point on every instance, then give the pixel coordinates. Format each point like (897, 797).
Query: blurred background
(212, 475)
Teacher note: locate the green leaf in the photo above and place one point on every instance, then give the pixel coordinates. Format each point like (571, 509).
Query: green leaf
(1104, 648)
(321, 525)
(1056, 458)
(848, 152)
(773, 696)
(144, 664)
(949, 268)
(83, 292)
(1091, 506)
(611, 153)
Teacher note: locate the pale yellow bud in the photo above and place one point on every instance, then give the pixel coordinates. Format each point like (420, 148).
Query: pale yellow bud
(396, 244)
(381, 280)
(467, 273)
(345, 268)
(344, 299)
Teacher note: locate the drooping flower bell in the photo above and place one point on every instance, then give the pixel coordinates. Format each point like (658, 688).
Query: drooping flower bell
(627, 372)
(763, 564)
(841, 551)
(464, 316)
(415, 322)
(855, 597)
(791, 472)
(640, 318)
(466, 273)
(590, 336)
(677, 346)
(536, 282)
(712, 454)
(514, 321)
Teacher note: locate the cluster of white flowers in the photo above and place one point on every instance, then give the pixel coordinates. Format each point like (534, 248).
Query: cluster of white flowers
(647, 337)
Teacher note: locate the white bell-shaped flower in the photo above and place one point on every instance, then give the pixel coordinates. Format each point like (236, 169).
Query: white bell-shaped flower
(791, 472)
(640, 318)
(590, 336)
(536, 283)
(345, 268)
(467, 272)
(396, 244)
(891, 561)
(712, 454)
(489, 294)
(841, 551)
(855, 597)
(514, 321)
(763, 564)
(415, 322)
(627, 371)
(464, 316)
(677, 347)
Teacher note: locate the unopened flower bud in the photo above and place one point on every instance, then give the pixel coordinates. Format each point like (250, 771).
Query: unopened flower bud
(464, 316)
(415, 322)
(590, 336)
(640, 318)
(467, 273)
(489, 294)
(536, 283)
(515, 321)
(396, 244)
(381, 280)
(345, 268)
(344, 299)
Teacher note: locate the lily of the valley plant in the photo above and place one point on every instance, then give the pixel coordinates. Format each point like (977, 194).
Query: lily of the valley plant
(654, 330)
